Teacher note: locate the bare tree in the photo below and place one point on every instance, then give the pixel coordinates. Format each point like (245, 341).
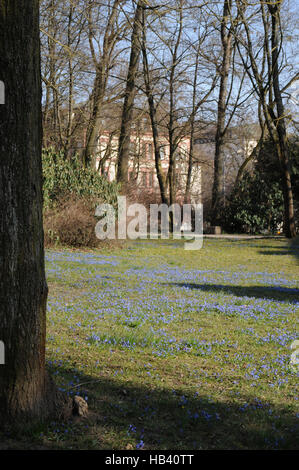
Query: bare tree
(169, 60)
(127, 113)
(102, 66)
(62, 33)
(227, 47)
(153, 115)
(265, 78)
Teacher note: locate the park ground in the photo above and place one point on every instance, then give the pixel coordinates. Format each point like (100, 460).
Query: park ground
(174, 349)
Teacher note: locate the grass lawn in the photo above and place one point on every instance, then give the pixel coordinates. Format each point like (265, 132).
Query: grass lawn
(175, 349)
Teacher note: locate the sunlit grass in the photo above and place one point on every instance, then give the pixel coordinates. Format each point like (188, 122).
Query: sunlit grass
(176, 349)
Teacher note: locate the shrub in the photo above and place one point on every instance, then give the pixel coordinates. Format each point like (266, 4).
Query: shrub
(65, 177)
(71, 194)
(71, 223)
(255, 206)
(256, 203)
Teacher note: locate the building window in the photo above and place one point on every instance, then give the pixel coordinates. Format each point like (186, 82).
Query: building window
(143, 179)
(151, 180)
(150, 151)
(143, 150)
(162, 153)
(133, 149)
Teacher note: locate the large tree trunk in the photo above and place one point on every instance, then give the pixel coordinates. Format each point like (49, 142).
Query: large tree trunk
(187, 195)
(25, 389)
(275, 121)
(172, 121)
(281, 141)
(218, 184)
(127, 114)
(90, 155)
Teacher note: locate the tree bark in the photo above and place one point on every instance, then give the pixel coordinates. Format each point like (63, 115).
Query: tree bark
(281, 142)
(127, 113)
(275, 122)
(187, 196)
(26, 392)
(218, 184)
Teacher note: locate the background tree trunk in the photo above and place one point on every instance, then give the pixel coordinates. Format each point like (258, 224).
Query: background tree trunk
(153, 113)
(25, 389)
(219, 158)
(281, 142)
(102, 74)
(273, 108)
(125, 129)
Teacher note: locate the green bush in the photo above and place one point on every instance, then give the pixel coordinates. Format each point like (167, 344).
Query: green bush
(71, 194)
(65, 177)
(255, 206)
(256, 203)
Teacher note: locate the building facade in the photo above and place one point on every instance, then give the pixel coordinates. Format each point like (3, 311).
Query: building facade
(142, 171)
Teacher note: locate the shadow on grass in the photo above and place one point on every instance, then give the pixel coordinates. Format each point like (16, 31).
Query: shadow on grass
(122, 414)
(291, 248)
(284, 294)
(166, 419)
